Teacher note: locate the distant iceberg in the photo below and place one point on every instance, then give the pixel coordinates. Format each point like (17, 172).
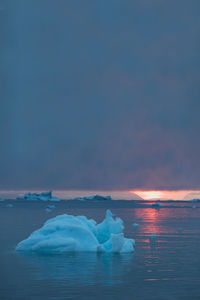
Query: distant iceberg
(195, 200)
(67, 233)
(94, 198)
(45, 196)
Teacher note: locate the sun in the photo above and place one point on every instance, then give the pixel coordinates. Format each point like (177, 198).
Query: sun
(148, 195)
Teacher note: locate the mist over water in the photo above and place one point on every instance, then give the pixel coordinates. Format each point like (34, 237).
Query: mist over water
(116, 195)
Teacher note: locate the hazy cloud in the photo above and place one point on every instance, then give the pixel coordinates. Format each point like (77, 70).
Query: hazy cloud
(100, 94)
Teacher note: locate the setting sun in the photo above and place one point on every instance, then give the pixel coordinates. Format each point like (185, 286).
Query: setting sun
(147, 195)
(165, 194)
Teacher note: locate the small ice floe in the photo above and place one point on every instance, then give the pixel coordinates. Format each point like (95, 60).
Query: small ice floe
(135, 225)
(79, 199)
(153, 237)
(94, 198)
(138, 218)
(157, 205)
(194, 206)
(180, 229)
(51, 206)
(2, 200)
(67, 233)
(9, 205)
(45, 196)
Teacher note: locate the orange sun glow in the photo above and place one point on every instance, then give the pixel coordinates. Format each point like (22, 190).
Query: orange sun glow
(148, 195)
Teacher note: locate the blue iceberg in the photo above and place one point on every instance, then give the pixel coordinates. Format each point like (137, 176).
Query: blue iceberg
(94, 198)
(67, 233)
(44, 196)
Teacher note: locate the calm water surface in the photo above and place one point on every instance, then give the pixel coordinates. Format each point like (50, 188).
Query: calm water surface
(164, 268)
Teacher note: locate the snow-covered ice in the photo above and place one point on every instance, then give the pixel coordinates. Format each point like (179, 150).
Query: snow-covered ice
(67, 233)
(45, 196)
(94, 198)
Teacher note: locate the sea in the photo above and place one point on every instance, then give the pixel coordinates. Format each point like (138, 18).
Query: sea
(164, 266)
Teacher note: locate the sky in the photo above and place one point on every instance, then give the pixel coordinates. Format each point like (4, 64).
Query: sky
(100, 95)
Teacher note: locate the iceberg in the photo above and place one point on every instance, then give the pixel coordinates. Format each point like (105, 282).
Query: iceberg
(67, 233)
(195, 200)
(94, 198)
(45, 196)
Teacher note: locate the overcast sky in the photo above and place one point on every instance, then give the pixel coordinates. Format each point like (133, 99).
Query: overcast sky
(100, 94)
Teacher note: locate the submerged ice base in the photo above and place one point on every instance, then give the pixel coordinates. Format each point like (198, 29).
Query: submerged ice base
(67, 233)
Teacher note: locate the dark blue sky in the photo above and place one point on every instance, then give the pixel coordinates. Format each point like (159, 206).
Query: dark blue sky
(100, 94)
